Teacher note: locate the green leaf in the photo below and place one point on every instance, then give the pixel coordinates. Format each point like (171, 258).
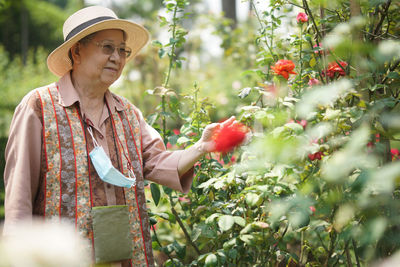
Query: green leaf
(182, 140)
(312, 62)
(230, 243)
(247, 239)
(239, 220)
(157, 43)
(393, 75)
(211, 260)
(295, 127)
(226, 222)
(211, 218)
(208, 183)
(167, 190)
(245, 92)
(180, 250)
(232, 253)
(376, 87)
(163, 215)
(155, 193)
(161, 53)
(196, 233)
(252, 199)
(247, 229)
(151, 119)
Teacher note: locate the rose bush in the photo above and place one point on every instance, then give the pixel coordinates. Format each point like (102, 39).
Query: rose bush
(320, 193)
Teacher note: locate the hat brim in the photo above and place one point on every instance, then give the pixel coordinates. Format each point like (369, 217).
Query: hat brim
(59, 62)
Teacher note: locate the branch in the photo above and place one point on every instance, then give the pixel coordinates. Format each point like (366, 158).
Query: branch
(355, 253)
(178, 219)
(383, 16)
(308, 11)
(294, 4)
(265, 38)
(159, 243)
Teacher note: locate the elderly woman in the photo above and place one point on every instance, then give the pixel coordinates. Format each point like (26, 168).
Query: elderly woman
(78, 152)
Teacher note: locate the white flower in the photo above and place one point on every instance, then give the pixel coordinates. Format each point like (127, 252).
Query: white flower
(42, 244)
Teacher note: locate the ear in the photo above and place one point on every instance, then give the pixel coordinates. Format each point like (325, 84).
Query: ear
(75, 53)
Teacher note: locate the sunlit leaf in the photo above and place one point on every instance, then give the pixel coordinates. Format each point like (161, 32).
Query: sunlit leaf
(239, 220)
(211, 260)
(225, 222)
(252, 199)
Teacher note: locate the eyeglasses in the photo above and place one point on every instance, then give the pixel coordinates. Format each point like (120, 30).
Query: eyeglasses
(109, 48)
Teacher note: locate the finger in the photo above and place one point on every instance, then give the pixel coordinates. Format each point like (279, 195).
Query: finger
(211, 126)
(229, 121)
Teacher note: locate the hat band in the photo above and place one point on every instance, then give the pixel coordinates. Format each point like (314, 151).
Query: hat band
(86, 24)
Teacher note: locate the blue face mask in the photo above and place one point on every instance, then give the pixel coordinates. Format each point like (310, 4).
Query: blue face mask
(106, 171)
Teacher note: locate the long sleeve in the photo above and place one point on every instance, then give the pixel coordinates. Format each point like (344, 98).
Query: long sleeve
(22, 170)
(161, 166)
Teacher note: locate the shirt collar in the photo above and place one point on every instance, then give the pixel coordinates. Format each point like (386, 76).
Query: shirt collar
(69, 96)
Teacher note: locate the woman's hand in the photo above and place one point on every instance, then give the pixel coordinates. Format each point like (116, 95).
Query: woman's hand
(206, 143)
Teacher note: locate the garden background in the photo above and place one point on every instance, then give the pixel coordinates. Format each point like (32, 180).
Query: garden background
(317, 181)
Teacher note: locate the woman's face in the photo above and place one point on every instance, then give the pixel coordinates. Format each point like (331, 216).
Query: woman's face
(95, 64)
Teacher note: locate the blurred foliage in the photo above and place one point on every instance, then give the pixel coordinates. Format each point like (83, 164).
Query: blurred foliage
(317, 184)
(23, 25)
(13, 87)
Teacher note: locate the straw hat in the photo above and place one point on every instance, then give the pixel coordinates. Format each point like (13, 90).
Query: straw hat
(89, 20)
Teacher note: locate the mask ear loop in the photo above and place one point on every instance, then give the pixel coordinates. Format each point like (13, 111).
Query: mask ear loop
(119, 143)
(91, 134)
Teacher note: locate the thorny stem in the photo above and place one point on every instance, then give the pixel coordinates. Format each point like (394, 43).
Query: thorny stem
(172, 57)
(300, 55)
(308, 11)
(159, 243)
(178, 219)
(383, 16)
(261, 25)
(301, 247)
(348, 256)
(355, 253)
(322, 242)
(171, 63)
(164, 127)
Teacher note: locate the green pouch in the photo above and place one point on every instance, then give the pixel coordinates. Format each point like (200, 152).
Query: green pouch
(111, 233)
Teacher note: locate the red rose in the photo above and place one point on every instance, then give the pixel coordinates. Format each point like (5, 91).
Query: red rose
(284, 67)
(317, 155)
(302, 17)
(395, 153)
(229, 136)
(334, 68)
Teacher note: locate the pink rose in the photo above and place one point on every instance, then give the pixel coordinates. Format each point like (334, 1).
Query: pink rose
(301, 18)
(313, 81)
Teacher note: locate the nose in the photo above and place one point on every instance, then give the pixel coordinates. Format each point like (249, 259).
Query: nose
(115, 56)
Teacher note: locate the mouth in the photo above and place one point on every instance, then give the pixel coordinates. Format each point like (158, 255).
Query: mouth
(111, 69)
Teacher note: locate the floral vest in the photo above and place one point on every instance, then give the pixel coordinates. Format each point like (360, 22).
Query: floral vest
(67, 183)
